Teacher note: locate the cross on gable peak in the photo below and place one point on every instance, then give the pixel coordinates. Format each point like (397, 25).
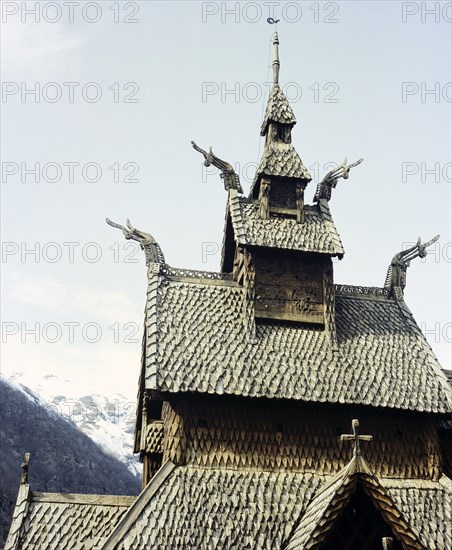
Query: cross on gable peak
(355, 437)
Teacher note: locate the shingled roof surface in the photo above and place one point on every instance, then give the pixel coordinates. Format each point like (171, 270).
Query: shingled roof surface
(427, 506)
(258, 509)
(282, 160)
(239, 510)
(278, 109)
(317, 234)
(198, 340)
(54, 520)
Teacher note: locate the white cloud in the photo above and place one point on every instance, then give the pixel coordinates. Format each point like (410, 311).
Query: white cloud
(73, 370)
(66, 298)
(38, 49)
(104, 362)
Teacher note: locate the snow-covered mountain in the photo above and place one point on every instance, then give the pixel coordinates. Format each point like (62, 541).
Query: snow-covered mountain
(108, 420)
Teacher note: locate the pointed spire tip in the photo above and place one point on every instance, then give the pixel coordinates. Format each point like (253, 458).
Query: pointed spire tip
(275, 63)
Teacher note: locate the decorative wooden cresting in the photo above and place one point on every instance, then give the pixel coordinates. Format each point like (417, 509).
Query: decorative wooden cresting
(152, 250)
(396, 276)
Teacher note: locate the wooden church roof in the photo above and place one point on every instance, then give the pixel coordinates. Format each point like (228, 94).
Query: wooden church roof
(317, 234)
(56, 520)
(329, 502)
(268, 506)
(282, 160)
(278, 109)
(197, 339)
(273, 508)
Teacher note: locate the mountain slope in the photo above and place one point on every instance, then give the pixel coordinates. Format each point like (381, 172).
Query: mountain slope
(63, 459)
(107, 419)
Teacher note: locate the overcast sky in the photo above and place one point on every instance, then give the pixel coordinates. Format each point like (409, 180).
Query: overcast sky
(122, 89)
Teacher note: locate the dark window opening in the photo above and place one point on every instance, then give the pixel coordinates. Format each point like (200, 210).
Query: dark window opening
(360, 526)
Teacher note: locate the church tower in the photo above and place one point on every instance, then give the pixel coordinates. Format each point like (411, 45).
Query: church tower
(276, 245)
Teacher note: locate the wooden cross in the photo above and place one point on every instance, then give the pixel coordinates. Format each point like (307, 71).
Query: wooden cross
(355, 437)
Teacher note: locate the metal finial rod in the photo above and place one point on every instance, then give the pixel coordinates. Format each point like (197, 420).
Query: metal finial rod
(275, 63)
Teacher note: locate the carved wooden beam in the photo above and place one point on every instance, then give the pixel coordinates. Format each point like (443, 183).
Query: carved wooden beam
(264, 199)
(396, 276)
(249, 276)
(300, 202)
(25, 463)
(238, 269)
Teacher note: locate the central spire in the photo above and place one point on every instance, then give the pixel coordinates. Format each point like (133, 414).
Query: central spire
(281, 176)
(278, 108)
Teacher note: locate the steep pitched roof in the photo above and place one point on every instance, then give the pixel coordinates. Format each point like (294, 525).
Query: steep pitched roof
(282, 160)
(190, 507)
(266, 505)
(55, 520)
(324, 509)
(19, 514)
(128, 521)
(278, 109)
(317, 234)
(427, 506)
(197, 339)
(215, 508)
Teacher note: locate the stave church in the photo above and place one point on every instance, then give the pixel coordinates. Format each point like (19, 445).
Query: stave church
(277, 410)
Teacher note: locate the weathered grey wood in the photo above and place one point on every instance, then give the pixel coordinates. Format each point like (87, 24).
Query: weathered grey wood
(289, 287)
(300, 201)
(80, 498)
(19, 516)
(150, 490)
(264, 199)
